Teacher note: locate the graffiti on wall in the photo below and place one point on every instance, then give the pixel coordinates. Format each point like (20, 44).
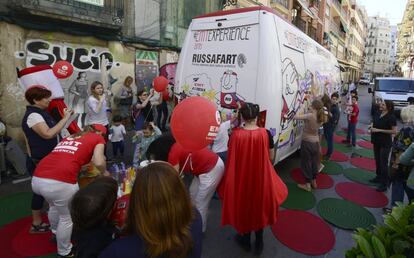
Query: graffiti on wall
(90, 64)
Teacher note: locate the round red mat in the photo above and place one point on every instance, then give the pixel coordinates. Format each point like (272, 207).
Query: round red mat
(303, 232)
(336, 156)
(322, 180)
(361, 194)
(338, 139)
(365, 144)
(17, 242)
(358, 130)
(364, 163)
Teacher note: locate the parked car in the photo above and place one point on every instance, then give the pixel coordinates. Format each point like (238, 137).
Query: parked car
(396, 89)
(363, 81)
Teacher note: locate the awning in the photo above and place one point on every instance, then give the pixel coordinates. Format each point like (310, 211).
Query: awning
(305, 8)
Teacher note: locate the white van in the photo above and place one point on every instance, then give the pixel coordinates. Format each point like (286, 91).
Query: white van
(253, 55)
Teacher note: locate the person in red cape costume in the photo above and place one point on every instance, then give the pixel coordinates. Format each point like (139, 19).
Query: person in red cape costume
(43, 75)
(251, 189)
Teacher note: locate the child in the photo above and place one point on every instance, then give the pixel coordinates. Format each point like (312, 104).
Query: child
(143, 139)
(116, 135)
(353, 114)
(90, 209)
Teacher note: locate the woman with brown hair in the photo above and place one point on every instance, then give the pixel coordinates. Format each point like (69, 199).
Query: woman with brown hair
(161, 221)
(97, 105)
(309, 149)
(41, 135)
(125, 97)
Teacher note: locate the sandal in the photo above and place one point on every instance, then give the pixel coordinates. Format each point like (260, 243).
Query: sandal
(39, 229)
(305, 187)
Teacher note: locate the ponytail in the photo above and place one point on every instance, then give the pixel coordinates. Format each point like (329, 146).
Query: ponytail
(321, 116)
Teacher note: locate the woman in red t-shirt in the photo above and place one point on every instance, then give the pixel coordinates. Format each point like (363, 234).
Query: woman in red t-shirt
(207, 169)
(55, 178)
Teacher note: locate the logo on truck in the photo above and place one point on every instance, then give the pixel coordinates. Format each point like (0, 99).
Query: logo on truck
(223, 34)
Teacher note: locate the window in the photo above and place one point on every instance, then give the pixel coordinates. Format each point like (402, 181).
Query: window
(375, 50)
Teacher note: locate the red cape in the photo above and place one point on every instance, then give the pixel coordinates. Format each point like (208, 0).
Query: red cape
(251, 189)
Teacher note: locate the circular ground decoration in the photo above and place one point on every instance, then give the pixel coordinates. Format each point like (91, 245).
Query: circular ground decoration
(337, 156)
(361, 194)
(18, 242)
(298, 199)
(360, 176)
(365, 144)
(344, 134)
(345, 214)
(364, 163)
(323, 181)
(338, 138)
(303, 232)
(331, 168)
(14, 206)
(366, 153)
(358, 130)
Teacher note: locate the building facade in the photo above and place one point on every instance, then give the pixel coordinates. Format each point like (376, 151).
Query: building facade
(356, 41)
(378, 47)
(393, 51)
(405, 40)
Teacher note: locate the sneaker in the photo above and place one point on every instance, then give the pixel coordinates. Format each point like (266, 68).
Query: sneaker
(382, 188)
(307, 187)
(246, 246)
(69, 255)
(39, 229)
(387, 210)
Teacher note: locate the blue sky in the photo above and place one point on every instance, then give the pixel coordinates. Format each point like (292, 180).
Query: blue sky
(391, 9)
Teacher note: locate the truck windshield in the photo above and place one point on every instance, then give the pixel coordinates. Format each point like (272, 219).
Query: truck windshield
(394, 85)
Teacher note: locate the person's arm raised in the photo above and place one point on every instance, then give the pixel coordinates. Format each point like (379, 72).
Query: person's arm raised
(44, 131)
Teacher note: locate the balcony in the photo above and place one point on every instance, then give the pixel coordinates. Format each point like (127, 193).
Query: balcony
(312, 33)
(110, 15)
(335, 29)
(337, 5)
(284, 3)
(301, 24)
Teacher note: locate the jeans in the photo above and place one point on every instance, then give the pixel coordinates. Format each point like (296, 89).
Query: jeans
(309, 159)
(118, 146)
(328, 133)
(203, 187)
(58, 194)
(399, 186)
(162, 109)
(382, 155)
(351, 135)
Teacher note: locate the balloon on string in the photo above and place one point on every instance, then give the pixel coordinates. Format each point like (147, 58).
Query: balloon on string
(194, 123)
(160, 83)
(62, 69)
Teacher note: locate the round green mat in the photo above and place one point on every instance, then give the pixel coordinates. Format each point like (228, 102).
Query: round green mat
(367, 153)
(298, 199)
(345, 214)
(366, 137)
(344, 134)
(338, 147)
(331, 168)
(360, 176)
(15, 206)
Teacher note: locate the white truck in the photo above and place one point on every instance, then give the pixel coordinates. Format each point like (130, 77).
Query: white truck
(253, 55)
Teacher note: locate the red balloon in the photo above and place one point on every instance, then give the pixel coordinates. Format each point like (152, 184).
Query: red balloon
(166, 95)
(194, 123)
(160, 83)
(62, 69)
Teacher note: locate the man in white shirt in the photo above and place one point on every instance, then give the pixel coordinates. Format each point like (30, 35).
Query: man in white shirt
(220, 144)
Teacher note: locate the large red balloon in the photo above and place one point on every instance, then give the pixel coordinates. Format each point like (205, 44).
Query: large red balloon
(194, 123)
(160, 83)
(62, 69)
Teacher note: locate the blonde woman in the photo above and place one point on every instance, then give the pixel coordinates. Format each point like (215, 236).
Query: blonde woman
(309, 150)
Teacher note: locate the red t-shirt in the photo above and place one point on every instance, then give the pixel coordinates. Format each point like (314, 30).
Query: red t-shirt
(200, 162)
(65, 161)
(354, 118)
